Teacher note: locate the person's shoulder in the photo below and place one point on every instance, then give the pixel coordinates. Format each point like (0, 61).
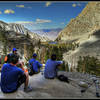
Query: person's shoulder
(9, 54)
(6, 64)
(17, 68)
(48, 59)
(31, 59)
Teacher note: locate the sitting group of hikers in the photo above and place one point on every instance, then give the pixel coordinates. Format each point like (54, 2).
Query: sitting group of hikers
(13, 75)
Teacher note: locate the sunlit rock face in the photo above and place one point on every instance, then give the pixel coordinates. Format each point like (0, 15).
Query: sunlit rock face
(16, 35)
(84, 30)
(20, 29)
(86, 22)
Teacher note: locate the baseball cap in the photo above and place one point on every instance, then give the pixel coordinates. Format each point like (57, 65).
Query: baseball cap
(34, 55)
(14, 49)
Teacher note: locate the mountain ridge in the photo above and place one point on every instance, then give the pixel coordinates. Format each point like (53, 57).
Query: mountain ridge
(85, 31)
(20, 29)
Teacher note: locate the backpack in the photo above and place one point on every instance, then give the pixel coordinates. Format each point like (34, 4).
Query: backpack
(30, 69)
(7, 58)
(63, 78)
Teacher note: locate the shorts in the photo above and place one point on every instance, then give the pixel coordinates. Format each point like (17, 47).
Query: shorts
(21, 80)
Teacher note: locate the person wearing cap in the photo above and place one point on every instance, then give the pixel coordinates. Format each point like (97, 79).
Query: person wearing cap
(7, 58)
(13, 77)
(50, 71)
(19, 64)
(35, 64)
(14, 51)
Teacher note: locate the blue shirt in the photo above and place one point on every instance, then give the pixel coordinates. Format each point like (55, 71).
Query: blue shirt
(9, 77)
(50, 68)
(36, 64)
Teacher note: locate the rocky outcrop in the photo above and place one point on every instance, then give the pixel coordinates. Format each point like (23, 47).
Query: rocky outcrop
(84, 30)
(87, 21)
(48, 89)
(20, 29)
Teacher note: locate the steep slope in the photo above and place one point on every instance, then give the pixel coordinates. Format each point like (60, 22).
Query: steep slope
(20, 29)
(87, 21)
(84, 30)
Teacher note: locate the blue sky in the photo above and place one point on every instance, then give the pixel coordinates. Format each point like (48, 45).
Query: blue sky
(40, 14)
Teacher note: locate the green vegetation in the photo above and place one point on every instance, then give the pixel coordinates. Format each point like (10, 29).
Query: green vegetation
(58, 49)
(89, 65)
(3, 39)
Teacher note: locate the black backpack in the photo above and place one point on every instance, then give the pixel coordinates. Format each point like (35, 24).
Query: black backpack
(31, 70)
(63, 78)
(8, 58)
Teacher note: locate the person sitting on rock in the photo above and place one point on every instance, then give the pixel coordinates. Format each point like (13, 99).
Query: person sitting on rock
(35, 65)
(7, 58)
(13, 77)
(50, 71)
(19, 64)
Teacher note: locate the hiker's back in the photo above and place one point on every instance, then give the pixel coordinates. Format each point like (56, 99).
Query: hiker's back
(9, 77)
(35, 65)
(50, 68)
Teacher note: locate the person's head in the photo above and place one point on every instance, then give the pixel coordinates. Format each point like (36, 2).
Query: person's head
(53, 57)
(14, 59)
(34, 55)
(14, 50)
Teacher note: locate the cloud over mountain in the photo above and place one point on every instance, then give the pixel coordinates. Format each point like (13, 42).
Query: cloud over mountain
(8, 11)
(38, 21)
(48, 4)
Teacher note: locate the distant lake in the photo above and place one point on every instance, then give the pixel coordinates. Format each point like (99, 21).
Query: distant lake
(52, 42)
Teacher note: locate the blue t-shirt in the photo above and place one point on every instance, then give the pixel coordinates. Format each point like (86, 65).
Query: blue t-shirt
(50, 68)
(36, 64)
(9, 77)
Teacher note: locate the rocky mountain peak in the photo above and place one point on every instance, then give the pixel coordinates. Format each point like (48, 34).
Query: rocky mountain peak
(85, 22)
(20, 29)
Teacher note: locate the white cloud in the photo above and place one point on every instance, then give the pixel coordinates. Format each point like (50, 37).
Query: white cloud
(0, 12)
(8, 11)
(20, 6)
(73, 5)
(38, 21)
(48, 4)
(37, 24)
(23, 22)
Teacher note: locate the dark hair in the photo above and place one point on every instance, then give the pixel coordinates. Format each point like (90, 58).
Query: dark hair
(14, 59)
(53, 57)
(34, 55)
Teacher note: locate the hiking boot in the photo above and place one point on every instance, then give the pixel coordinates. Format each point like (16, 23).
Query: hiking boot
(28, 89)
